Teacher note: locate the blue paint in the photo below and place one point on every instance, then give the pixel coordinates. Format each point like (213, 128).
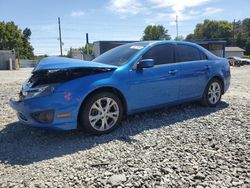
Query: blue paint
(146, 89)
(65, 63)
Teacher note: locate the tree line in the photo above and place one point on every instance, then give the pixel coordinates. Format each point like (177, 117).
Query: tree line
(235, 33)
(12, 37)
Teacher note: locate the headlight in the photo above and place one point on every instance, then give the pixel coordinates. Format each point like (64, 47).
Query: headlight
(37, 92)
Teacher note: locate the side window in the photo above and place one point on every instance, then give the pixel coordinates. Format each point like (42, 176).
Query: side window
(203, 55)
(188, 53)
(162, 54)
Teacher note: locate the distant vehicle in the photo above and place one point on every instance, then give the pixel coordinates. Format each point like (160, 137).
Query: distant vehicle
(246, 61)
(67, 94)
(236, 61)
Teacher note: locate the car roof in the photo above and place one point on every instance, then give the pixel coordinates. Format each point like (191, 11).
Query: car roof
(149, 44)
(164, 42)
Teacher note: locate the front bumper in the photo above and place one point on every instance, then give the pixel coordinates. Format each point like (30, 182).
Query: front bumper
(56, 102)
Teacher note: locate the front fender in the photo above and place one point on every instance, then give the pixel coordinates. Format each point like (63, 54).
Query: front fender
(80, 88)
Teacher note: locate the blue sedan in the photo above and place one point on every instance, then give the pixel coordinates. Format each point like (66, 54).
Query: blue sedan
(67, 94)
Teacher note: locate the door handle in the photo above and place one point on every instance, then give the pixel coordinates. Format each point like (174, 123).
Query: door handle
(172, 71)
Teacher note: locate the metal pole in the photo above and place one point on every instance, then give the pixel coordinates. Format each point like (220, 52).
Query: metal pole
(60, 35)
(87, 43)
(177, 34)
(234, 33)
(10, 63)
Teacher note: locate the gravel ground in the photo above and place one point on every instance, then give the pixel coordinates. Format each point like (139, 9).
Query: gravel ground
(182, 146)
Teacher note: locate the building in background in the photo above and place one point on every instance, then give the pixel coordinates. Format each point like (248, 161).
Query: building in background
(78, 54)
(217, 47)
(234, 52)
(102, 46)
(7, 60)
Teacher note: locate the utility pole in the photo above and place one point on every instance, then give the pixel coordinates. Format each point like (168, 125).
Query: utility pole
(233, 43)
(176, 21)
(60, 35)
(87, 43)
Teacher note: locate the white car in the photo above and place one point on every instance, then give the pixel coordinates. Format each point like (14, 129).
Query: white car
(235, 61)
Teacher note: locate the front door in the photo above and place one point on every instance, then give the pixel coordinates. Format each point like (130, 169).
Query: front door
(158, 85)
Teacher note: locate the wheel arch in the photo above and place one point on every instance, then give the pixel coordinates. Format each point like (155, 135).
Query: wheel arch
(203, 100)
(111, 89)
(219, 78)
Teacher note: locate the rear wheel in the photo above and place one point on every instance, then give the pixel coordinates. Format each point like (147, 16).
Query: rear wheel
(101, 113)
(212, 93)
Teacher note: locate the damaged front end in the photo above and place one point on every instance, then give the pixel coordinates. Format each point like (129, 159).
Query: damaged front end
(43, 82)
(49, 98)
(44, 77)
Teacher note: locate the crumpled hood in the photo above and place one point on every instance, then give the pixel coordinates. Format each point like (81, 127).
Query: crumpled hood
(52, 63)
(53, 70)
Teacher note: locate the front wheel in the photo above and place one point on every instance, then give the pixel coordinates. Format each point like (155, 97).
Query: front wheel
(212, 93)
(101, 113)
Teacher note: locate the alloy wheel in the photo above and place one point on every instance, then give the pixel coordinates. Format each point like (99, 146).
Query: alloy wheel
(214, 92)
(103, 114)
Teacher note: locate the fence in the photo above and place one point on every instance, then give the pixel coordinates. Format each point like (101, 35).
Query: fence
(24, 63)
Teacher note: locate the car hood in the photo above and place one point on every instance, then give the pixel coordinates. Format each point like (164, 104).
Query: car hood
(55, 63)
(54, 70)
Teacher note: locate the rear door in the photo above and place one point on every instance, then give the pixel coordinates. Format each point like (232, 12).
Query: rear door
(194, 71)
(159, 84)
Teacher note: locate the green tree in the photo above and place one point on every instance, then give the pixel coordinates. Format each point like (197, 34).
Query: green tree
(89, 47)
(155, 32)
(240, 40)
(27, 50)
(246, 26)
(83, 49)
(198, 32)
(248, 46)
(179, 38)
(27, 33)
(190, 36)
(39, 57)
(2, 31)
(11, 37)
(213, 29)
(242, 33)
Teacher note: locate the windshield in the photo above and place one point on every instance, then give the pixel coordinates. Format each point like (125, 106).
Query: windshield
(121, 55)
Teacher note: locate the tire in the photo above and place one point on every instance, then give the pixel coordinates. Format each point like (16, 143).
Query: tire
(212, 94)
(95, 117)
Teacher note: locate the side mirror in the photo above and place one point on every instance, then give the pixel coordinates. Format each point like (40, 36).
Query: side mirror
(146, 63)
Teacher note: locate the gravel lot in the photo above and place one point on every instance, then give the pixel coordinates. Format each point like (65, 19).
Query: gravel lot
(182, 146)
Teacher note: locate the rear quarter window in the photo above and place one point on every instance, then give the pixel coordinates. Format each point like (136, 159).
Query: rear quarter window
(203, 55)
(189, 53)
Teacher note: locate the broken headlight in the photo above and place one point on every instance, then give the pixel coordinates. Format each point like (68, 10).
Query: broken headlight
(36, 92)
